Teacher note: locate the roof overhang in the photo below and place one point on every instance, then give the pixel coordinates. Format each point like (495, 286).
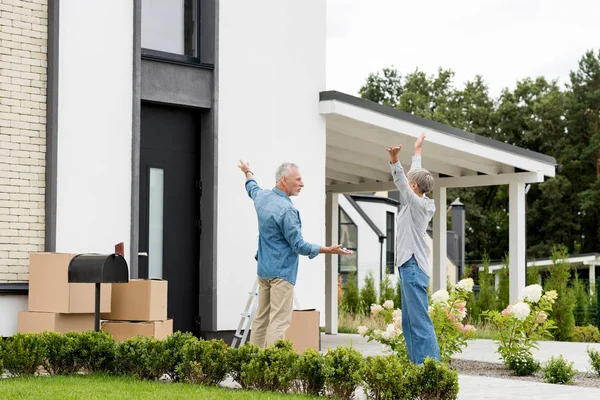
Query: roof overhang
(358, 131)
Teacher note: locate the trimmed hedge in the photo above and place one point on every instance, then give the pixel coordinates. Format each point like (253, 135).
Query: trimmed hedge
(185, 358)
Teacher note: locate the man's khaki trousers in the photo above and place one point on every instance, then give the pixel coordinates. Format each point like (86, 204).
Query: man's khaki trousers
(274, 313)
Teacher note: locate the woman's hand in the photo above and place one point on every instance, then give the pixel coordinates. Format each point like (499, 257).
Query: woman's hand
(393, 152)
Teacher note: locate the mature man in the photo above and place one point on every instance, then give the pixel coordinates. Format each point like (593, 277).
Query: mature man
(279, 244)
(412, 253)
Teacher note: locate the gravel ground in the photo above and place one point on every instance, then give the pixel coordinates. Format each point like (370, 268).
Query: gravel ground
(495, 370)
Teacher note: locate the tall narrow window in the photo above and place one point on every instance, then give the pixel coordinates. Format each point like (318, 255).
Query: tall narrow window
(390, 241)
(156, 218)
(348, 238)
(170, 26)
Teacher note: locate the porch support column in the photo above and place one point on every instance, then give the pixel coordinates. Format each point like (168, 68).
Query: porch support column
(592, 279)
(516, 246)
(439, 239)
(331, 264)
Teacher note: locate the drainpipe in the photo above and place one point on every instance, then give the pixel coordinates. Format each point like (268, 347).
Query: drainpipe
(381, 260)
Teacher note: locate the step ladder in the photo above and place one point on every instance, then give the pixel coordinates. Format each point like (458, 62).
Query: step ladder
(241, 334)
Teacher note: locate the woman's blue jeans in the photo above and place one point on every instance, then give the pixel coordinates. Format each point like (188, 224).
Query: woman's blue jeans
(416, 323)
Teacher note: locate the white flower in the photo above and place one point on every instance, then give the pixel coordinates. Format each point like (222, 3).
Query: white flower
(397, 314)
(520, 310)
(440, 296)
(532, 293)
(362, 330)
(375, 309)
(466, 285)
(377, 332)
(551, 295)
(388, 304)
(390, 332)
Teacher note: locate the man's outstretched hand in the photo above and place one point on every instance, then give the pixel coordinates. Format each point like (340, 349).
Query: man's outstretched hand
(245, 167)
(393, 151)
(338, 249)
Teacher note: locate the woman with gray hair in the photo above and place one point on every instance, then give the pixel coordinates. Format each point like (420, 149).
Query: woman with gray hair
(412, 253)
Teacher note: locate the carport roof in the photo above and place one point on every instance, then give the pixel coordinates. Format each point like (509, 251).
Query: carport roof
(358, 131)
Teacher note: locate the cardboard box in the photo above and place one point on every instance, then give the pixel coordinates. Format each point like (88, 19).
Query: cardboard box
(38, 322)
(50, 290)
(304, 330)
(138, 300)
(122, 330)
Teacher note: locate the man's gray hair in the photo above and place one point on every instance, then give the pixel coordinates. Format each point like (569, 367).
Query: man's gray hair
(422, 178)
(283, 170)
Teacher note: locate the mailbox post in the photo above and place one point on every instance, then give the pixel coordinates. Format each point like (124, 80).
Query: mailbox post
(98, 268)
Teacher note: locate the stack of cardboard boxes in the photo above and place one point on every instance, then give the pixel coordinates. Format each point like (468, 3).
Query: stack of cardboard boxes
(138, 308)
(54, 303)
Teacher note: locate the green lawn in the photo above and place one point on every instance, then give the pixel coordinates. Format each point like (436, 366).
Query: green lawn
(108, 387)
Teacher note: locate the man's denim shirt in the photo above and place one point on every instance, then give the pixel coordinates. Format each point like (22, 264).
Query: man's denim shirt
(280, 236)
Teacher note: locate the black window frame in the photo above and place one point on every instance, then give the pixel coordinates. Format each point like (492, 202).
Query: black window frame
(390, 242)
(340, 223)
(165, 56)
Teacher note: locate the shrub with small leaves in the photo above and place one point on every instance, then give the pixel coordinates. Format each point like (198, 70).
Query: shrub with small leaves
(344, 371)
(310, 370)
(61, 353)
(174, 346)
(236, 358)
(558, 370)
(432, 380)
(204, 362)
(272, 369)
(594, 359)
(589, 334)
(522, 364)
(144, 358)
(1, 358)
(24, 353)
(384, 378)
(95, 351)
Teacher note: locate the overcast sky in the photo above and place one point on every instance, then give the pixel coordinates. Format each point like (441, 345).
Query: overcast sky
(502, 40)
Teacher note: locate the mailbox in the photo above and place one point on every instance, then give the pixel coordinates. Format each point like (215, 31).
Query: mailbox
(98, 268)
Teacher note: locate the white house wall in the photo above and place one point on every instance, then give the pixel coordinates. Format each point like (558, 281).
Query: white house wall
(94, 125)
(270, 70)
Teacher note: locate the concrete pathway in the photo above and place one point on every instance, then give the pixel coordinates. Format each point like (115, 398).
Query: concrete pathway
(478, 387)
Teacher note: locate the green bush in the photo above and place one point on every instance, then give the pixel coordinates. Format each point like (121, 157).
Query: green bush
(236, 358)
(95, 351)
(174, 346)
(351, 296)
(582, 301)
(487, 296)
(433, 380)
(589, 334)
(61, 353)
(503, 294)
(594, 359)
(562, 310)
(144, 358)
(272, 369)
(398, 294)
(344, 371)
(533, 275)
(368, 295)
(310, 372)
(23, 353)
(386, 291)
(383, 378)
(558, 370)
(522, 364)
(204, 362)
(1, 357)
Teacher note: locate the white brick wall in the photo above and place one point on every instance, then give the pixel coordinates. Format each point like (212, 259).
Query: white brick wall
(23, 49)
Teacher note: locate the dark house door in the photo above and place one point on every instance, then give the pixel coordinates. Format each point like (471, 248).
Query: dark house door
(169, 207)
